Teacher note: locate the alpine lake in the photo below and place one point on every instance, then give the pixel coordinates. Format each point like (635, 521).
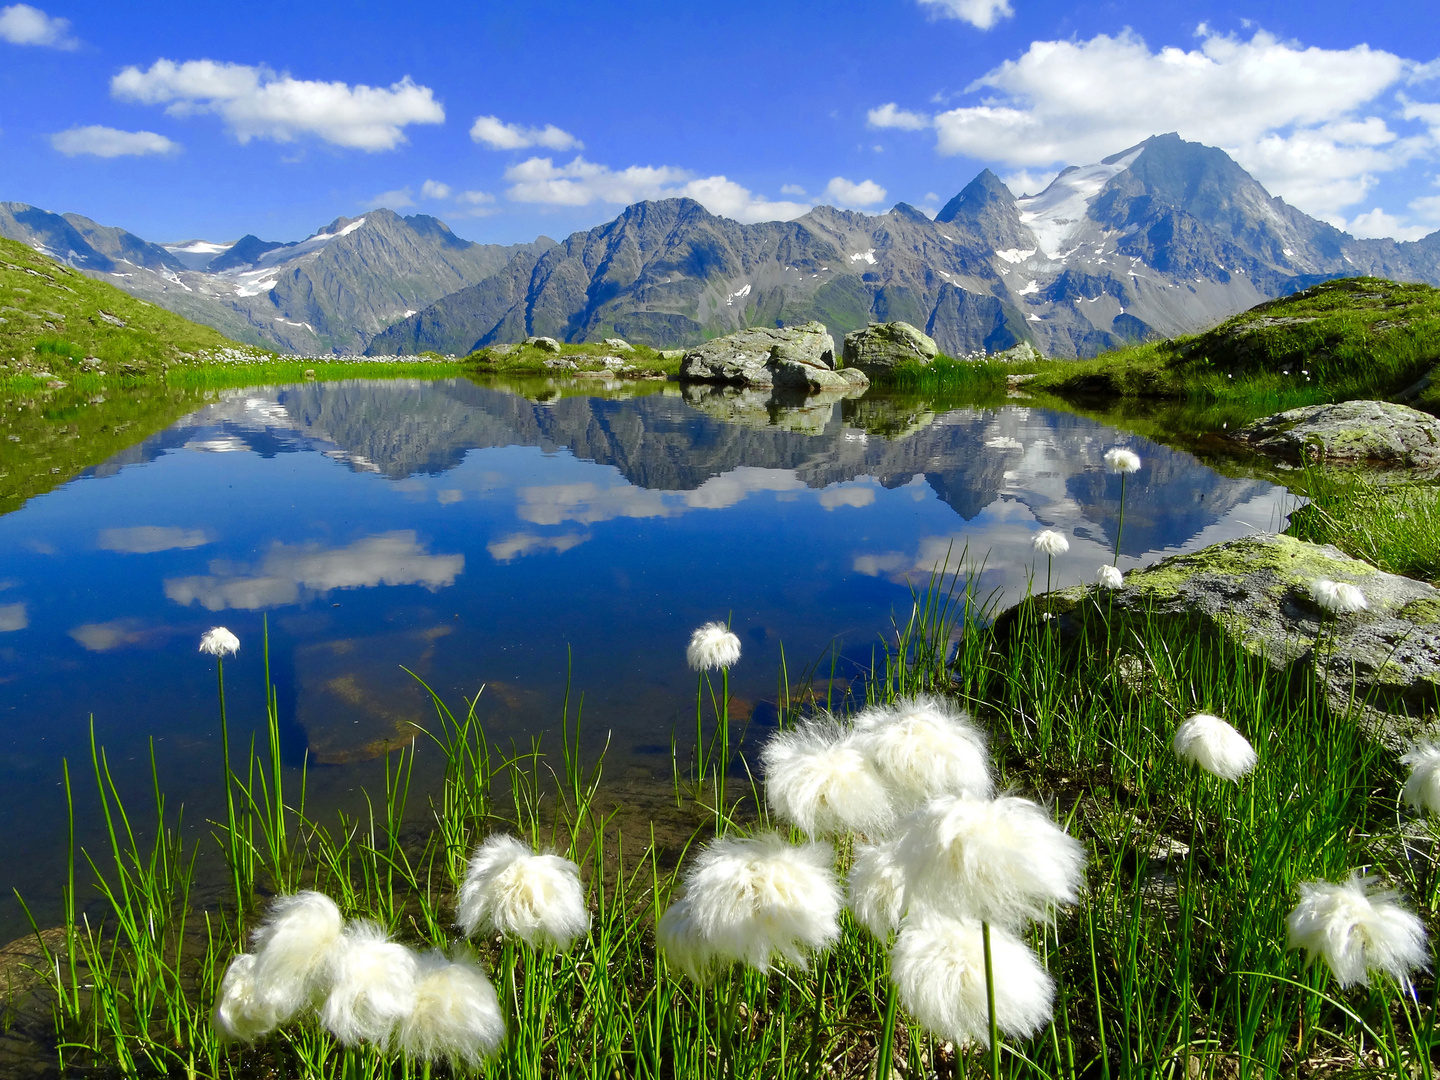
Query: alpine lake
(519, 540)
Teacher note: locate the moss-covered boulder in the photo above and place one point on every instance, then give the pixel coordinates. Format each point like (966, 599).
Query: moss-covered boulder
(1256, 594)
(1354, 432)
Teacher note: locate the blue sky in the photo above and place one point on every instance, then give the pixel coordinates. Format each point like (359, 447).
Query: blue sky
(512, 119)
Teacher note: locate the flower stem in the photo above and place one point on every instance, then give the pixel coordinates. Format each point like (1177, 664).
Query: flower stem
(885, 1058)
(1121, 526)
(990, 1004)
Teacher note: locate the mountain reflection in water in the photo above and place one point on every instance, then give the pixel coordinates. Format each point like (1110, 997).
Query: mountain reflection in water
(478, 537)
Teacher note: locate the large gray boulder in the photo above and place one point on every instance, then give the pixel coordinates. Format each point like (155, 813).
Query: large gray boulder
(1359, 432)
(1383, 662)
(879, 347)
(754, 357)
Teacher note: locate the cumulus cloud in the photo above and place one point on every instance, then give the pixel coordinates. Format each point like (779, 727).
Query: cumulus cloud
(586, 503)
(289, 570)
(1377, 223)
(13, 617)
(147, 539)
(846, 495)
(522, 543)
(395, 199)
(891, 115)
(258, 103)
(21, 24)
(115, 634)
(108, 142)
(844, 192)
(1309, 123)
(581, 183)
(498, 135)
(981, 14)
(434, 189)
(792, 189)
(475, 198)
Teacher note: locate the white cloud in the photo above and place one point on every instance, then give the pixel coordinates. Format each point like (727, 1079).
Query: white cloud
(475, 198)
(846, 495)
(1307, 122)
(521, 543)
(257, 103)
(21, 24)
(398, 199)
(498, 135)
(434, 189)
(13, 617)
(581, 182)
(844, 192)
(147, 539)
(891, 115)
(108, 142)
(587, 503)
(792, 189)
(1377, 223)
(981, 14)
(1026, 182)
(391, 558)
(115, 634)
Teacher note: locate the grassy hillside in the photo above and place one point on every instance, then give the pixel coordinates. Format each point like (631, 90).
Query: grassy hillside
(56, 322)
(1342, 339)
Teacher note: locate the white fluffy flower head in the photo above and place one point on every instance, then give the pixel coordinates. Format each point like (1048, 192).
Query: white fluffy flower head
(1120, 460)
(1337, 598)
(924, 747)
(456, 1016)
(293, 947)
(1422, 787)
(372, 986)
(1109, 577)
(1002, 861)
(219, 642)
(938, 964)
(877, 887)
(711, 647)
(1049, 542)
(1355, 931)
(537, 898)
(752, 900)
(242, 1012)
(817, 776)
(1215, 746)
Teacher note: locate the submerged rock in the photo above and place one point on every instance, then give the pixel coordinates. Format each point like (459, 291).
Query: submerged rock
(1255, 593)
(879, 347)
(1360, 432)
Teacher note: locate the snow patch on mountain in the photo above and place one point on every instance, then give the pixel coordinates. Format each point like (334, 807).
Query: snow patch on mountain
(1059, 212)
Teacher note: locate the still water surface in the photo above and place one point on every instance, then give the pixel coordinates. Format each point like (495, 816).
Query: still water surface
(475, 537)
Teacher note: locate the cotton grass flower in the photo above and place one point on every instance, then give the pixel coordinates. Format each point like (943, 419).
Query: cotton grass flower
(219, 642)
(923, 747)
(938, 964)
(1213, 745)
(818, 777)
(1049, 542)
(373, 984)
(1109, 577)
(1001, 861)
(877, 887)
(1337, 598)
(711, 647)
(753, 900)
(456, 1016)
(537, 898)
(1355, 931)
(1422, 787)
(1120, 460)
(293, 947)
(242, 1012)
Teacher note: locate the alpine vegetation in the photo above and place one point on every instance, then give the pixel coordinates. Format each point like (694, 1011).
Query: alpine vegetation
(1109, 577)
(939, 965)
(1002, 861)
(712, 647)
(877, 887)
(373, 984)
(923, 747)
(456, 1016)
(1337, 597)
(1213, 745)
(1422, 786)
(1355, 931)
(515, 892)
(753, 901)
(819, 778)
(219, 642)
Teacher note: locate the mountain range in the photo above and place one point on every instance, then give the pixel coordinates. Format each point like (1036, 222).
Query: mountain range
(1164, 238)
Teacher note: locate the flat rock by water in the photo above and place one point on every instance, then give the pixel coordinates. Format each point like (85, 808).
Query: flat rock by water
(1255, 593)
(1352, 432)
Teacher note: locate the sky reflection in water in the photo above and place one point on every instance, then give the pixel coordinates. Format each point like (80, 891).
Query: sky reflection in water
(474, 536)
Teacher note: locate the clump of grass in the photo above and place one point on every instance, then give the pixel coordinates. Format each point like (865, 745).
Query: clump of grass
(945, 374)
(1392, 526)
(640, 361)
